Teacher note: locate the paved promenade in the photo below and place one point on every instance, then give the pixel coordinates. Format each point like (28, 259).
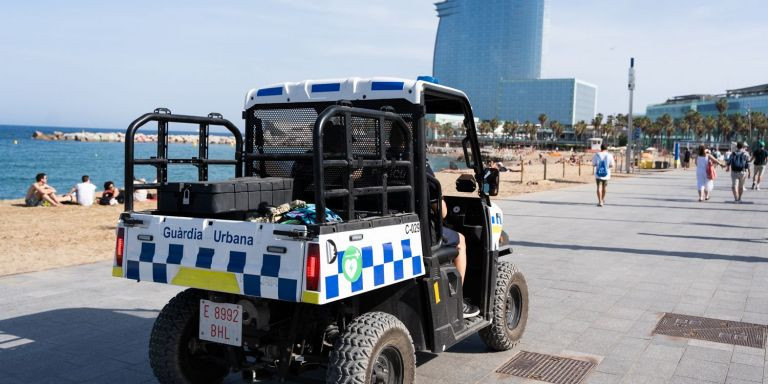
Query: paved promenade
(599, 278)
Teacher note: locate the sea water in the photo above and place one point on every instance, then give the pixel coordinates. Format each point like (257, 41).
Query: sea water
(65, 162)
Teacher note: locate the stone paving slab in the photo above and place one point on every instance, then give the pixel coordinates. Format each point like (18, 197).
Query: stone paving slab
(599, 281)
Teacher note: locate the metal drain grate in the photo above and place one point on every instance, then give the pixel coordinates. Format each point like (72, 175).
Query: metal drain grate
(704, 328)
(552, 369)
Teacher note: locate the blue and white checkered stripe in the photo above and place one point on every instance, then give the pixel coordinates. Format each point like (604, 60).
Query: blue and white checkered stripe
(268, 276)
(382, 265)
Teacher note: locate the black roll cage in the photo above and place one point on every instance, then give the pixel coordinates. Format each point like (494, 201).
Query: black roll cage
(163, 116)
(320, 162)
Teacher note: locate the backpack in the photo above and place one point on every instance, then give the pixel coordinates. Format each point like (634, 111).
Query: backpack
(602, 168)
(738, 162)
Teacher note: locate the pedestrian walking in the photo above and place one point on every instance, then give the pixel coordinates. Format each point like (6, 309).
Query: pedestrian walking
(686, 159)
(759, 159)
(738, 165)
(603, 162)
(705, 172)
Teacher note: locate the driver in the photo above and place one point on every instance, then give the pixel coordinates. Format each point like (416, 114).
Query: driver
(450, 238)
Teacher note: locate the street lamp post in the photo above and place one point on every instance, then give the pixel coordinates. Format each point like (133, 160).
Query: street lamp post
(630, 133)
(749, 122)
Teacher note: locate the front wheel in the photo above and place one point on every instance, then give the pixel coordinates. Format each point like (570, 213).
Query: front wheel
(510, 309)
(175, 353)
(376, 348)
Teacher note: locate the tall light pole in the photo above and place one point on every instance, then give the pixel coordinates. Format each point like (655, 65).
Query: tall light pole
(749, 119)
(630, 132)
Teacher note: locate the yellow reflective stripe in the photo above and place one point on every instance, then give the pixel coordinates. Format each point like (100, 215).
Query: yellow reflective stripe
(310, 297)
(496, 229)
(117, 271)
(437, 292)
(207, 279)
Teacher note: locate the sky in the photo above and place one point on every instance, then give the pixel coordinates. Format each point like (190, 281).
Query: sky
(101, 64)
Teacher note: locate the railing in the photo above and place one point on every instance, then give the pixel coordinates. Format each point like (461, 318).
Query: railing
(164, 116)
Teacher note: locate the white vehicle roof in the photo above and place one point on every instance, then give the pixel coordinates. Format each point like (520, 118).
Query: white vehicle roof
(352, 88)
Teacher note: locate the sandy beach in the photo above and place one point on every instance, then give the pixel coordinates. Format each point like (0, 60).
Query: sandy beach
(33, 239)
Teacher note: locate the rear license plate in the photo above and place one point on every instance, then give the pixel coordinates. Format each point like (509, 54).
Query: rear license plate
(221, 322)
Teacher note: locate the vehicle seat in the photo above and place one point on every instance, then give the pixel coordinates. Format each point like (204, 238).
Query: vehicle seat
(445, 254)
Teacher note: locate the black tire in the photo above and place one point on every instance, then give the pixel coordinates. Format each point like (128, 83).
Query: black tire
(510, 309)
(175, 353)
(374, 348)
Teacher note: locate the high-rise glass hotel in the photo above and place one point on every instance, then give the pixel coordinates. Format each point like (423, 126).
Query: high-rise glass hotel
(492, 50)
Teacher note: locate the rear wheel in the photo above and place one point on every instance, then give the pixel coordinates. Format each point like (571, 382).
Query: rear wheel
(175, 353)
(510, 309)
(376, 348)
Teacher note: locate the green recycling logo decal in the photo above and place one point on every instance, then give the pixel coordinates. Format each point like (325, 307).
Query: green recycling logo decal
(352, 264)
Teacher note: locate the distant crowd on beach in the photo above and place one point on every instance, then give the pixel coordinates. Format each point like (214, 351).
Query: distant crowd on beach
(42, 194)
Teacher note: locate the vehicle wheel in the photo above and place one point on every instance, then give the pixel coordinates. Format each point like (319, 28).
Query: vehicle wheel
(376, 348)
(510, 309)
(175, 353)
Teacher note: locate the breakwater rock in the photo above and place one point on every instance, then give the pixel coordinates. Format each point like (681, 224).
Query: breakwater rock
(120, 137)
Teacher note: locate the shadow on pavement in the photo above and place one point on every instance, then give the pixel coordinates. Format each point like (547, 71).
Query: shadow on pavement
(758, 241)
(77, 345)
(609, 204)
(651, 252)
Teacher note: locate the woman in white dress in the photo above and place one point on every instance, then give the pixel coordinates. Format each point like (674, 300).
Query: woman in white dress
(704, 184)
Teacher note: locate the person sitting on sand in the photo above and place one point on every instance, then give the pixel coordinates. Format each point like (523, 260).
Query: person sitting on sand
(40, 193)
(110, 194)
(82, 193)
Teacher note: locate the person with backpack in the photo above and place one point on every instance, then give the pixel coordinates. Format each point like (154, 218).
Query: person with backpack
(603, 162)
(738, 165)
(759, 157)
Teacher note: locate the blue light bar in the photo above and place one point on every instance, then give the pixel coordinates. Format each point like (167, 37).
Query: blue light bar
(387, 86)
(276, 91)
(331, 87)
(428, 79)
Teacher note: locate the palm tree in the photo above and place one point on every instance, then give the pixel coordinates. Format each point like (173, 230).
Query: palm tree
(447, 131)
(760, 122)
(608, 127)
(722, 106)
(509, 129)
(709, 126)
(557, 129)
(485, 128)
(494, 123)
(725, 127)
(644, 123)
(531, 129)
(694, 122)
(739, 125)
(597, 122)
(683, 127)
(543, 120)
(579, 129)
(665, 123)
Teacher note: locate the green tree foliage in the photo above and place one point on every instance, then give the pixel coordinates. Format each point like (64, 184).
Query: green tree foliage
(509, 129)
(722, 105)
(683, 127)
(666, 124)
(557, 129)
(597, 122)
(709, 126)
(725, 127)
(579, 128)
(740, 125)
(543, 120)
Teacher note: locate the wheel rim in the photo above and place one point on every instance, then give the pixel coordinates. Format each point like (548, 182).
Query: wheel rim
(514, 307)
(388, 367)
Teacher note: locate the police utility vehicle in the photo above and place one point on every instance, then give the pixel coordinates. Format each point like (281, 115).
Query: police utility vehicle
(325, 249)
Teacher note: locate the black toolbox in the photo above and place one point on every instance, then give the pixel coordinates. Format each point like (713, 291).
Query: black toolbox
(244, 194)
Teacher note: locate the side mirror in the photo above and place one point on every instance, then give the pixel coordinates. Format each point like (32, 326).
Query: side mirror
(491, 181)
(466, 183)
